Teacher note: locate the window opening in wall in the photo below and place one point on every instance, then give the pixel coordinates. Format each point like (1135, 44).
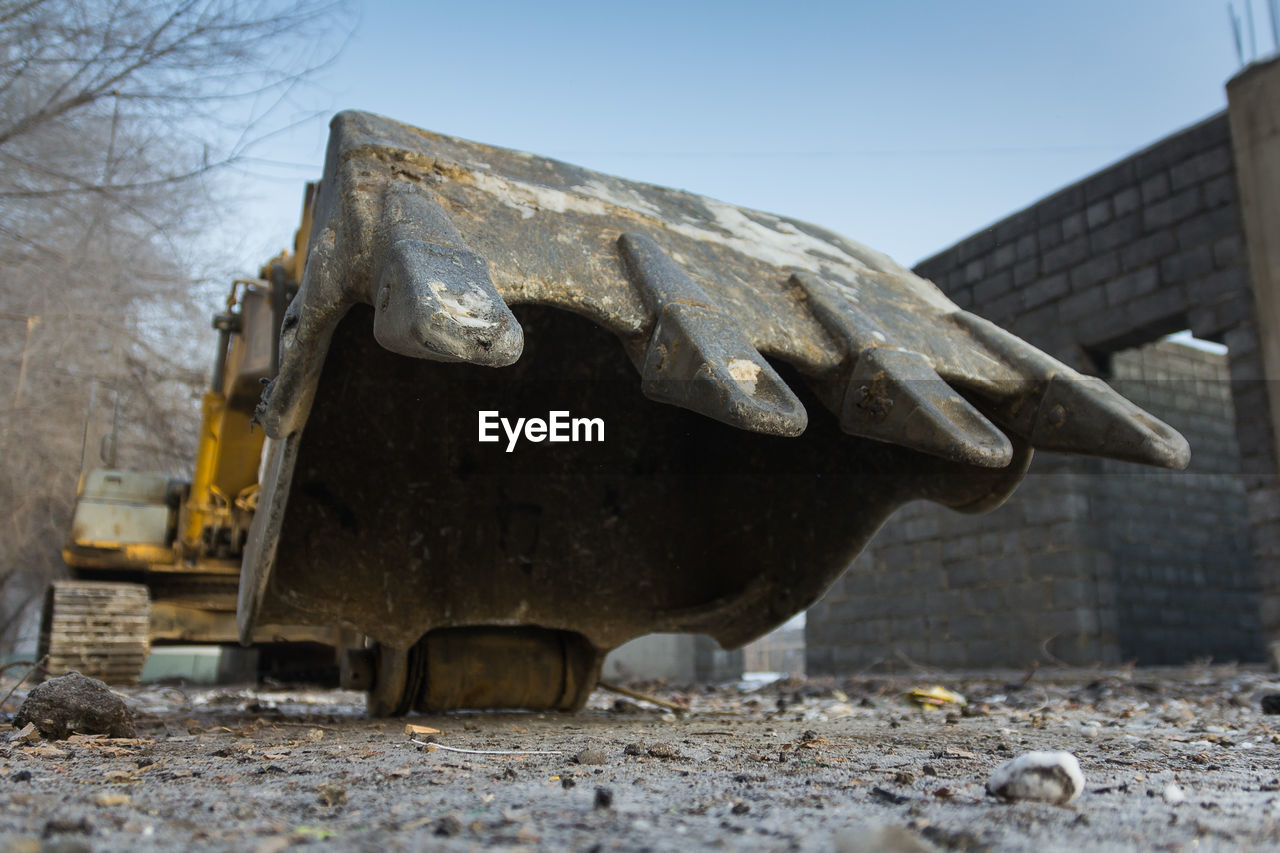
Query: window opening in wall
(777, 654)
(1179, 541)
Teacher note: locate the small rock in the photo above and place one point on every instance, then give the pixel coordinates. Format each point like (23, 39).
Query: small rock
(637, 748)
(449, 825)
(902, 777)
(331, 794)
(59, 825)
(592, 755)
(1271, 703)
(740, 808)
(604, 798)
(1052, 777)
(21, 776)
(75, 703)
(567, 783)
(663, 750)
(111, 798)
(1173, 794)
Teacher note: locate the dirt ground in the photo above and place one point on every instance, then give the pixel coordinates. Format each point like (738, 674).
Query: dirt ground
(788, 765)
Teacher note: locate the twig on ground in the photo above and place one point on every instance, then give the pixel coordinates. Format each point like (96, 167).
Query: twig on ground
(14, 688)
(298, 725)
(641, 697)
(485, 751)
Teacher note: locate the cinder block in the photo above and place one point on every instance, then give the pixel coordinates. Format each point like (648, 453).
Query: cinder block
(1120, 290)
(1095, 271)
(1171, 210)
(1045, 290)
(974, 271)
(1012, 227)
(1073, 225)
(1209, 225)
(1065, 256)
(992, 287)
(1025, 272)
(1147, 249)
(1082, 305)
(1119, 233)
(1155, 188)
(1201, 167)
(1003, 256)
(1003, 310)
(1108, 181)
(1127, 200)
(1187, 264)
(1155, 308)
(979, 244)
(1098, 214)
(1057, 206)
(1220, 283)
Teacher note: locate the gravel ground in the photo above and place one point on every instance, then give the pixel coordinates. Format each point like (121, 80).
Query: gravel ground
(790, 765)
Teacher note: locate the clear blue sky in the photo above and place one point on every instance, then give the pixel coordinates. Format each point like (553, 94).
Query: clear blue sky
(905, 125)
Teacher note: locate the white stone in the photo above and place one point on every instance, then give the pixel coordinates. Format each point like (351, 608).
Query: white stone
(1051, 777)
(1173, 794)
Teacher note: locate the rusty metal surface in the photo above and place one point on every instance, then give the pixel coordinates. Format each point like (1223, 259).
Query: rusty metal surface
(709, 338)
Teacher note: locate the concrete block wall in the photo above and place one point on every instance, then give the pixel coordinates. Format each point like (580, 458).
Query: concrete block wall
(1146, 247)
(1179, 541)
(940, 588)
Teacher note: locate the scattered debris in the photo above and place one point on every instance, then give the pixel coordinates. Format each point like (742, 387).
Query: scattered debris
(889, 796)
(449, 825)
(643, 697)
(75, 703)
(604, 798)
(431, 747)
(951, 752)
(411, 729)
(592, 755)
(1052, 777)
(27, 734)
(663, 750)
(111, 798)
(935, 697)
(331, 794)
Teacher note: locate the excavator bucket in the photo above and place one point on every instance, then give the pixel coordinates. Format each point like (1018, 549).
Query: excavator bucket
(525, 412)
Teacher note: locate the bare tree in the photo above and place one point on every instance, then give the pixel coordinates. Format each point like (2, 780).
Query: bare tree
(115, 116)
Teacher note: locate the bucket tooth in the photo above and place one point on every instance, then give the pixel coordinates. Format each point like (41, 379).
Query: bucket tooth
(838, 314)
(698, 356)
(1081, 414)
(432, 296)
(1056, 408)
(896, 396)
